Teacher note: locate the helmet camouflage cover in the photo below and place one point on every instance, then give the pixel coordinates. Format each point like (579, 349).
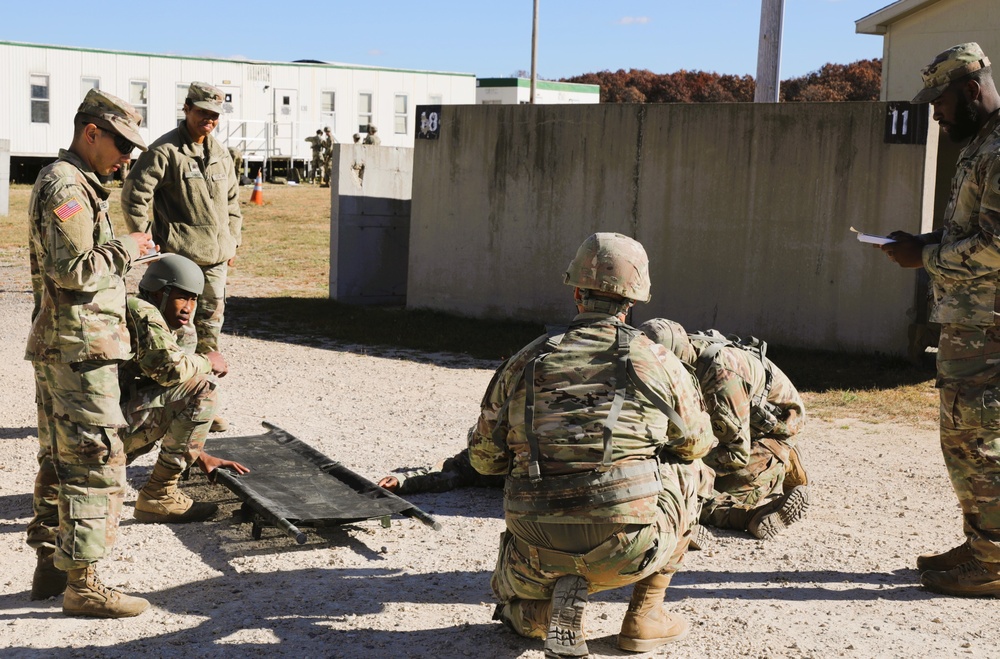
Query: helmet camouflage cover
(175, 271)
(611, 263)
(672, 336)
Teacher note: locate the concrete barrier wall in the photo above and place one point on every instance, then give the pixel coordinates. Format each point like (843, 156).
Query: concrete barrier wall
(744, 210)
(369, 223)
(4, 177)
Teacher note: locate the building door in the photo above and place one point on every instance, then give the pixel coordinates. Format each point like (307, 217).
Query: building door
(286, 112)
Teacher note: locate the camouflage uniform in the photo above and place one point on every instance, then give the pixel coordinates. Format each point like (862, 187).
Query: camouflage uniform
(964, 270)
(371, 137)
(194, 194)
(317, 146)
(449, 474)
(565, 529)
(78, 337)
(168, 391)
(328, 141)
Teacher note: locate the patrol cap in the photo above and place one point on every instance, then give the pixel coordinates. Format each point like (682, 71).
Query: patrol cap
(372, 128)
(206, 97)
(951, 65)
(327, 129)
(114, 114)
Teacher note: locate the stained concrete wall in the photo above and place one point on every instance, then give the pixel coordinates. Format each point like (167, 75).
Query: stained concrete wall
(369, 223)
(743, 208)
(4, 177)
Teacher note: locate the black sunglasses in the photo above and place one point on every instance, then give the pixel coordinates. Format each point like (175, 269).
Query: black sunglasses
(123, 144)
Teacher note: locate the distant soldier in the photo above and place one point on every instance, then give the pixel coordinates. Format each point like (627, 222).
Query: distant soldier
(316, 166)
(372, 138)
(357, 138)
(237, 155)
(328, 141)
(760, 484)
(77, 341)
(169, 392)
(599, 431)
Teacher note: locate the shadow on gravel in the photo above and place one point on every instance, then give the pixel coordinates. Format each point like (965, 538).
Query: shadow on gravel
(284, 614)
(442, 339)
(801, 585)
(18, 433)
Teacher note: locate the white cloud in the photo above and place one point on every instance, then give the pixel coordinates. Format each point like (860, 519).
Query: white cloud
(634, 20)
(375, 52)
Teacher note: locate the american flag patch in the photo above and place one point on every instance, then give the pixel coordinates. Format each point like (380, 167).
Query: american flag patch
(68, 209)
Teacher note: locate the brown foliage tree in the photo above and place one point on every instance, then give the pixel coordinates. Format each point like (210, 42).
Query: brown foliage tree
(858, 81)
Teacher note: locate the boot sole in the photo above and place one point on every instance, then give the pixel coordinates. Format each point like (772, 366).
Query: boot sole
(792, 510)
(94, 614)
(565, 636)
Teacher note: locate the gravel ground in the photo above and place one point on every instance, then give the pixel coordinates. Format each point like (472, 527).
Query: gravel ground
(840, 584)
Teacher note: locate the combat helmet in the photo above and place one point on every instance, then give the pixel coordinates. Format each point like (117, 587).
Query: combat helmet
(672, 336)
(173, 271)
(611, 263)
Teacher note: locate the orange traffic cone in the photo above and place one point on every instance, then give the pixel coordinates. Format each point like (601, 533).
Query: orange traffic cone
(257, 196)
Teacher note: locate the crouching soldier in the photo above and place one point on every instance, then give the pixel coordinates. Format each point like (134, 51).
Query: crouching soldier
(599, 431)
(760, 484)
(169, 393)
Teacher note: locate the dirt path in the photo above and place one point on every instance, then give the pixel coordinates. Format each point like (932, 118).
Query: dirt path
(842, 584)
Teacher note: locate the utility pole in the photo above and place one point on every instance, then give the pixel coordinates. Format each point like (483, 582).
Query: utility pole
(769, 51)
(534, 54)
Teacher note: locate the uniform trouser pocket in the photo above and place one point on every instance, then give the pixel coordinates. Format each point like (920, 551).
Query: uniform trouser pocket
(88, 518)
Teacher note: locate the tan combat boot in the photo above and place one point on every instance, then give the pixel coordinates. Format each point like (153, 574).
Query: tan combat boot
(527, 618)
(160, 502)
(565, 635)
(48, 580)
(776, 515)
(219, 424)
(970, 579)
(949, 559)
(87, 596)
(647, 625)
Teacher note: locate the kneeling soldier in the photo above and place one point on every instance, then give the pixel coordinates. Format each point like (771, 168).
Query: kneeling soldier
(169, 392)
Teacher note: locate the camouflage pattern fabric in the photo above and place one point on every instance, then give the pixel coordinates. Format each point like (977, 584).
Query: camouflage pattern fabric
(168, 392)
(969, 381)
(964, 270)
(316, 144)
(449, 474)
(194, 194)
(372, 139)
(611, 543)
(77, 338)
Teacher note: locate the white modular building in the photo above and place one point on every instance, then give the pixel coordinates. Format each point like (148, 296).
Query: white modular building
(514, 91)
(271, 107)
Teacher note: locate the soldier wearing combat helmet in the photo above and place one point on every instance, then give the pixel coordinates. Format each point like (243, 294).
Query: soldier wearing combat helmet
(962, 260)
(599, 432)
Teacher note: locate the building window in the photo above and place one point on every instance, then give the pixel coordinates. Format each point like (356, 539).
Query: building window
(399, 108)
(180, 95)
(328, 109)
(86, 84)
(39, 99)
(364, 112)
(138, 97)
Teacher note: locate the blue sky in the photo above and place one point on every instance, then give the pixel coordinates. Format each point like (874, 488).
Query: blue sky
(488, 38)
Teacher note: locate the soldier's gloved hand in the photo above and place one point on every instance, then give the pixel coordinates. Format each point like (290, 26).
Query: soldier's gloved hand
(218, 362)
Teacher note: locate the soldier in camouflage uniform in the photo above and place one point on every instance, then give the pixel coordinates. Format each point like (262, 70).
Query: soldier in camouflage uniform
(328, 141)
(188, 180)
(760, 484)
(169, 392)
(78, 339)
(371, 137)
(448, 474)
(316, 166)
(962, 260)
(600, 432)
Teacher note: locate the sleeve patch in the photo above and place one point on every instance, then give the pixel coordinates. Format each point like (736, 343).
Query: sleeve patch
(68, 209)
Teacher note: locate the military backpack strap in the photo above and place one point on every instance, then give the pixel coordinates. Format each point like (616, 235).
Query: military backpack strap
(623, 340)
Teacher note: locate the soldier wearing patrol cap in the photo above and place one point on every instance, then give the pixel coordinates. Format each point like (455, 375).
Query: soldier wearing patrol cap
(962, 260)
(78, 339)
(185, 190)
(371, 137)
(599, 432)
